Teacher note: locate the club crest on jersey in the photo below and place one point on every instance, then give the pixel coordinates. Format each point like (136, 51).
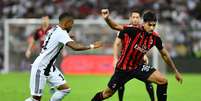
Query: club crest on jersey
(151, 41)
(142, 49)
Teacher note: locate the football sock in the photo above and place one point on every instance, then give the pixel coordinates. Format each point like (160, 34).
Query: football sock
(150, 90)
(162, 92)
(98, 97)
(59, 95)
(121, 93)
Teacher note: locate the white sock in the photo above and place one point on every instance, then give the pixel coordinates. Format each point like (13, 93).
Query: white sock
(59, 95)
(30, 99)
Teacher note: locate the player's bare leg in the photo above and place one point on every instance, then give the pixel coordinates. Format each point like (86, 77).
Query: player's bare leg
(60, 93)
(162, 83)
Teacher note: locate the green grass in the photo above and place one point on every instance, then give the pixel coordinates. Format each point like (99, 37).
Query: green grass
(15, 87)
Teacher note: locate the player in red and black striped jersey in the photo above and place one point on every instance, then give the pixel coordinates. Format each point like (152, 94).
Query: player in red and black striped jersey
(136, 42)
(38, 35)
(134, 19)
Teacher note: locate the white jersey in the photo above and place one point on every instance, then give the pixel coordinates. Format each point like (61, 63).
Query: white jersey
(55, 40)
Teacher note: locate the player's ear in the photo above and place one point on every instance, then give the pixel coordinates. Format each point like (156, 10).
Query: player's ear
(66, 23)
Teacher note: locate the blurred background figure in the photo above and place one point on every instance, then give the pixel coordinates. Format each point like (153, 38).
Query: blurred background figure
(38, 35)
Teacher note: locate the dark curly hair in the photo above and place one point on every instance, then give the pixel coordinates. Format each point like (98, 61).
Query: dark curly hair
(149, 16)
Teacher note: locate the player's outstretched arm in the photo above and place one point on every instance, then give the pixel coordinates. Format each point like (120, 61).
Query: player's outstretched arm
(169, 61)
(79, 47)
(116, 48)
(105, 14)
(28, 51)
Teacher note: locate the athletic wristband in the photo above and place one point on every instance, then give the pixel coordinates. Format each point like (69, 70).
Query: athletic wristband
(91, 46)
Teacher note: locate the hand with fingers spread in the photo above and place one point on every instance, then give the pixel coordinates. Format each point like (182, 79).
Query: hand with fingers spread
(96, 44)
(28, 54)
(178, 77)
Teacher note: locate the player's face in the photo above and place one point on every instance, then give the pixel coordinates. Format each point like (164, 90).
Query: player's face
(135, 18)
(68, 25)
(149, 26)
(45, 20)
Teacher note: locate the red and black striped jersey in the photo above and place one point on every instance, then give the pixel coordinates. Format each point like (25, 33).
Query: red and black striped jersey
(39, 34)
(131, 25)
(136, 42)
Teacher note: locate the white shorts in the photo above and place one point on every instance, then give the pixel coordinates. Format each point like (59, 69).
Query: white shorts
(38, 79)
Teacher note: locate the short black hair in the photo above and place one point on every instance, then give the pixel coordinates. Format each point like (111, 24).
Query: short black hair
(134, 11)
(65, 15)
(149, 16)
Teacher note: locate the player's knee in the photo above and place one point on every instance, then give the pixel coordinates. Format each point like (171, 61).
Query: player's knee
(162, 80)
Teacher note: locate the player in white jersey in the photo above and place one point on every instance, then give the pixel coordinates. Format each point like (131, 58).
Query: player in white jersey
(43, 70)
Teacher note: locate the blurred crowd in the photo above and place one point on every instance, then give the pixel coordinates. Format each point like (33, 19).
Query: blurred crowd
(170, 10)
(179, 19)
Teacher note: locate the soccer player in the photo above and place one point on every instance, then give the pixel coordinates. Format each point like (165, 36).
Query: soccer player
(136, 42)
(43, 69)
(38, 35)
(134, 22)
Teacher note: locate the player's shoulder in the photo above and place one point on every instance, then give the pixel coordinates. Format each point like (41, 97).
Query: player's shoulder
(155, 33)
(56, 28)
(127, 25)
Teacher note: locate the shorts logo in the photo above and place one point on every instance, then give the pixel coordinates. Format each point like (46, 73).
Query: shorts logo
(146, 68)
(114, 85)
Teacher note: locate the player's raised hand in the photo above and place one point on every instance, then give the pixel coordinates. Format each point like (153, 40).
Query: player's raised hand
(96, 44)
(28, 54)
(179, 77)
(105, 13)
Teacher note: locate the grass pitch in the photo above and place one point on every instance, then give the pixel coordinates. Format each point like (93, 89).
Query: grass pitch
(15, 87)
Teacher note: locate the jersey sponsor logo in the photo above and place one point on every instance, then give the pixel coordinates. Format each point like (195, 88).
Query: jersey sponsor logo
(114, 85)
(142, 49)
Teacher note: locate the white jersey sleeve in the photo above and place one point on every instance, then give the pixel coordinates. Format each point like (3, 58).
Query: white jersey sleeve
(64, 38)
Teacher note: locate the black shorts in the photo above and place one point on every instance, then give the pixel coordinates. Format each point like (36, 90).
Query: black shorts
(120, 77)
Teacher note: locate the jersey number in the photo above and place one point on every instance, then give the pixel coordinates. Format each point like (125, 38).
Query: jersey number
(47, 40)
